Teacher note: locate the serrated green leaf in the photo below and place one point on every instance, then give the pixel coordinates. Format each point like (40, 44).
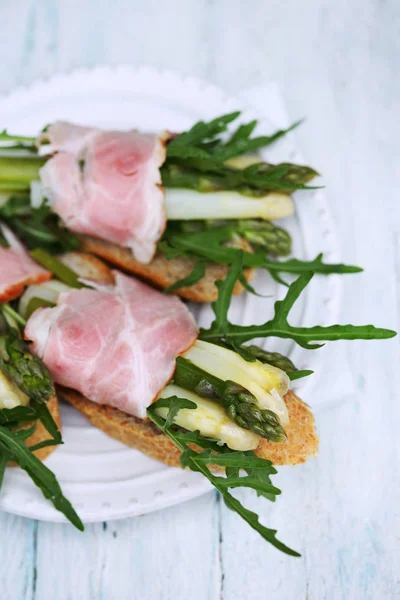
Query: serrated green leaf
(6, 137)
(278, 326)
(198, 463)
(12, 443)
(293, 375)
(18, 414)
(4, 458)
(174, 405)
(195, 276)
(211, 246)
(37, 226)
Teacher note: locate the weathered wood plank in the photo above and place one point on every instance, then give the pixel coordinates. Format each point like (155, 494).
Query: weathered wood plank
(170, 554)
(18, 539)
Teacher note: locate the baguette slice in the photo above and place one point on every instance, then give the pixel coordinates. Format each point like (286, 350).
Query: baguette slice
(302, 441)
(162, 272)
(40, 434)
(143, 435)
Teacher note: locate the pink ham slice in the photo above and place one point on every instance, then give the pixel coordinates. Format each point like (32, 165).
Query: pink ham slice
(17, 269)
(107, 184)
(116, 345)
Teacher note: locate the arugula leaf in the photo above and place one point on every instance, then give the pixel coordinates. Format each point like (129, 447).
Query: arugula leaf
(259, 233)
(232, 461)
(32, 378)
(24, 432)
(194, 276)
(249, 288)
(18, 414)
(38, 226)
(211, 245)
(225, 292)
(202, 131)
(243, 132)
(6, 137)
(240, 143)
(197, 158)
(3, 240)
(45, 416)
(12, 444)
(174, 404)
(299, 374)
(236, 335)
(4, 458)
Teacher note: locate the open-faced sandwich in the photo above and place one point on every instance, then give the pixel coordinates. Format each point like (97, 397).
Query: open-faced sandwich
(172, 209)
(126, 355)
(133, 361)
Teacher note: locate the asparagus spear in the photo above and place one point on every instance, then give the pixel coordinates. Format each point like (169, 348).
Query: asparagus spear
(17, 172)
(275, 240)
(204, 175)
(272, 358)
(26, 370)
(240, 404)
(223, 204)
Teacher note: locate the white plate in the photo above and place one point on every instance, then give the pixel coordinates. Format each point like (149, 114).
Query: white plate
(104, 479)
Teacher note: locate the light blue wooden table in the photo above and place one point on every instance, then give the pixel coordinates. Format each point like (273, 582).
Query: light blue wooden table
(338, 64)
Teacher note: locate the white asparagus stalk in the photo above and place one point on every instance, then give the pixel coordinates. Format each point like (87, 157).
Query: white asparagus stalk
(267, 383)
(210, 419)
(183, 204)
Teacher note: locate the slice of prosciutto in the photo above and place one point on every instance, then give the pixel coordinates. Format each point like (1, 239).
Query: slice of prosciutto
(116, 345)
(17, 269)
(107, 184)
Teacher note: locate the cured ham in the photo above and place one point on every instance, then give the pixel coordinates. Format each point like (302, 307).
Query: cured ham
(107, 184)
(116, 345)
(17, 269)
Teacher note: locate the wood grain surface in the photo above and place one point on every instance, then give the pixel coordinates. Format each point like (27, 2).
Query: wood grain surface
(337, 63)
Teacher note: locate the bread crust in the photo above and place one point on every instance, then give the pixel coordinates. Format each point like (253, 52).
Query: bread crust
(40, 434)
(162, 272)
(301, 443)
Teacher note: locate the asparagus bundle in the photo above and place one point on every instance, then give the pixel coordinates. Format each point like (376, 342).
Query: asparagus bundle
(212, 187)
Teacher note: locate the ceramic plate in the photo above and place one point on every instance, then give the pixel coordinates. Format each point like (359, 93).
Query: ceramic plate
(104, 479)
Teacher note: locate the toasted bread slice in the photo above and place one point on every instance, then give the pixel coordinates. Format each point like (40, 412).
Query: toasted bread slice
(302, 440)
(162, 272)
(143, 435)
(40, 434)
